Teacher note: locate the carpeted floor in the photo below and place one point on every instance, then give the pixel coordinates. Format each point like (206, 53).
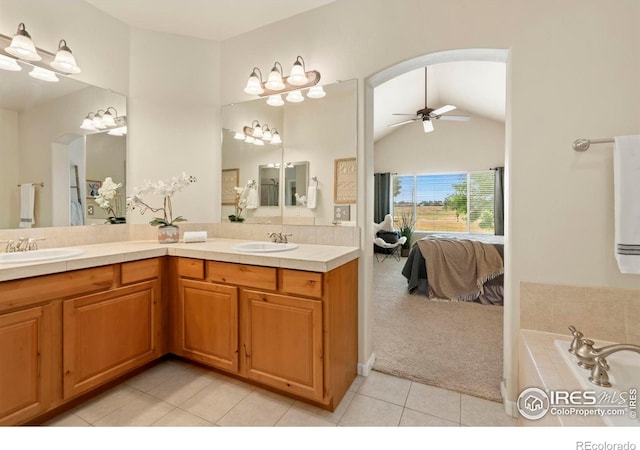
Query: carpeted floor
(452, 345)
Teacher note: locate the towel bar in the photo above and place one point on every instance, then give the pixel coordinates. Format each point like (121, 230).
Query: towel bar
(41, 184)
(581, 145)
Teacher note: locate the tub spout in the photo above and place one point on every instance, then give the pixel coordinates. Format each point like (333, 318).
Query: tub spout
(587, 353)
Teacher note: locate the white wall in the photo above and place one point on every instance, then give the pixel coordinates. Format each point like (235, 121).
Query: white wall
(174, 121)
(453, 146)
(565, 58)
(8, 165)
(105, 157)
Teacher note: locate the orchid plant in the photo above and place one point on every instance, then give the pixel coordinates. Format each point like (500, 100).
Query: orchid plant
(165, 189)
(109, 199)
(242, 194)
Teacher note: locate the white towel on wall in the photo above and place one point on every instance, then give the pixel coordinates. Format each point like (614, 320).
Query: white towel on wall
(75, 214)
(312, 197)
(626, 178)
(27, 203)
(252, 198)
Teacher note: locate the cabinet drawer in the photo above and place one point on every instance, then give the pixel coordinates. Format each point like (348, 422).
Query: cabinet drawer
(242, 275)
(191, 268)
(31, 291)
(136, 271)
(301, 282)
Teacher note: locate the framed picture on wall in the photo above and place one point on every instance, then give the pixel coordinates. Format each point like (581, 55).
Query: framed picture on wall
(230, 179)
(92, 188)
(344, 181)
(341, 213)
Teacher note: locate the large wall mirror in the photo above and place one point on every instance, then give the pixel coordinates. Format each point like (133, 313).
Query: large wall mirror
(295, 178)
(41, 143)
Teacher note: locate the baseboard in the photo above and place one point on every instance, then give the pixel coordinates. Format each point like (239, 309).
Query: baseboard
(364, 369)
(510, 407)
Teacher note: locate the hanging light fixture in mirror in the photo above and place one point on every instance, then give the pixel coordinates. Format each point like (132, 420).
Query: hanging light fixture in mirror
(43, 75)
(21, 47)
(104, 120)
(258, 134)
(277, 84)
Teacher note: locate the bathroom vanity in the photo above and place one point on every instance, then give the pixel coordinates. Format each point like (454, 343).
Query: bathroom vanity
(285, 322)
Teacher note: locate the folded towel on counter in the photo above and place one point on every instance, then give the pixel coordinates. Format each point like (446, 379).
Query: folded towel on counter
(312, 197)
(27, 203)
(252, 198)
(626, 180)
(194, 236)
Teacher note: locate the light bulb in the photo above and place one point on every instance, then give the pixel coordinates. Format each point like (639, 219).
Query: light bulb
(275, 100)
(239, 136)
(295, 97)
(44, 75)
(316, 92)
(22, 46)
(275, 137)
(254, 84)
(274, 82)
(64, 60)
(297, 77)
(10, 64)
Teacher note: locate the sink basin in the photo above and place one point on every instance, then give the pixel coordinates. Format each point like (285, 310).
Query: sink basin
(45, 254)
(264, 247)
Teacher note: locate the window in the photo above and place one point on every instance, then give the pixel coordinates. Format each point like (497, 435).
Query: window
(457, 202)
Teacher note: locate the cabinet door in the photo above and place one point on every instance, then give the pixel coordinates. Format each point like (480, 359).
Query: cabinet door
(208, 323)
(107, 334)
(282, 342)
(26, 364)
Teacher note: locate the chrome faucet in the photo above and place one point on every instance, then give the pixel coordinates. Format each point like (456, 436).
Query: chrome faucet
(27, 244)
(587, 354)
(11, 246)
(279, 238)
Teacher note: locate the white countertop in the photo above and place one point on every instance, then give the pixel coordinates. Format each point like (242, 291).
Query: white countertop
(315, 258)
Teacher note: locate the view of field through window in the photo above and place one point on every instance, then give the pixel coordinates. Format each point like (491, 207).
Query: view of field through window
(457, 202)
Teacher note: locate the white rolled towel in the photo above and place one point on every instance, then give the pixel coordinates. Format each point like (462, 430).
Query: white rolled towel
(626, 180)
(252, 198)
(312, 197)
(195, 236)
(27, 203)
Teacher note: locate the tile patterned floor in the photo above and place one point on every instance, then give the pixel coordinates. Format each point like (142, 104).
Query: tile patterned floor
(175, 393)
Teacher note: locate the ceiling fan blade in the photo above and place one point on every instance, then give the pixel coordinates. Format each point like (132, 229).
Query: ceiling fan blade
(402, 123)
(442, 110)
(427, 125)
(404, 114)
(458, 118)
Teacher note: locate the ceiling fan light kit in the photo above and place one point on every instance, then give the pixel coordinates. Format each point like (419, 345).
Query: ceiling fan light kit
(427, 115)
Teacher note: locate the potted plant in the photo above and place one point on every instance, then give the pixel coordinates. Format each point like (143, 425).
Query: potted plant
(110, 200)
(168, 232)
(407, 226)
(242, 194)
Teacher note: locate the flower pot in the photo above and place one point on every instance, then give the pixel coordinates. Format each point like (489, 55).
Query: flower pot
(114, 220)
(168, 234)
(234, 218)
(404, 252)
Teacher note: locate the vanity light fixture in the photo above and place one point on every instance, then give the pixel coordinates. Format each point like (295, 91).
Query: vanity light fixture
(104, 120)
(21, 47)
(43, 75)
(64, 60)
(10, 64)
(295, 97)
(316, 92)
(277, 84)
(275, 100)
(258, 135)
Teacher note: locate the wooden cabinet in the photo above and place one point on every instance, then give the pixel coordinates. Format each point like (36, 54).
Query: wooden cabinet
(107, 334)
(282, 342)
(207, 326)
(26, 362)
(295, 331)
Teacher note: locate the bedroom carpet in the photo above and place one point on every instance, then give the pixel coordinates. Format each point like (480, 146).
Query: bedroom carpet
(452, 345)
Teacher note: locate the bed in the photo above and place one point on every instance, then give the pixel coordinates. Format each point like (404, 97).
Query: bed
(416, 272)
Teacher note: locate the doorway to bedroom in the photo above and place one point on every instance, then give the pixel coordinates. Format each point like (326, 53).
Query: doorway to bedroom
(439, 157)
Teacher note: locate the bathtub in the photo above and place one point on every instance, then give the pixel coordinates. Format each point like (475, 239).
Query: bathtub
(545, 363)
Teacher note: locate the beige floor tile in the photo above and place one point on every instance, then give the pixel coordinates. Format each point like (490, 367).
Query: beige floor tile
(366, 411)
(356, 383)
(156, 375)
(216, 399)
(107, 402)
(67, 420)
(298, 417)
(385, 387)
(480, 412)
(334, 416)
(434, 401)
(181, 418)
(411, 418)
(181, 386)
(259, 408)
(142, 411)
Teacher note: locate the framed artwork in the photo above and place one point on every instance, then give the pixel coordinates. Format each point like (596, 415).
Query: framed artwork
(230, 179)
(344, 181)
(341, 213)
(92, 188)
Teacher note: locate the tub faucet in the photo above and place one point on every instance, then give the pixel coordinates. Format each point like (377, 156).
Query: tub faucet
(588, 355)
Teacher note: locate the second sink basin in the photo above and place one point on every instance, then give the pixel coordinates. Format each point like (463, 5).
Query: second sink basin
(45, 254)
(264, 247)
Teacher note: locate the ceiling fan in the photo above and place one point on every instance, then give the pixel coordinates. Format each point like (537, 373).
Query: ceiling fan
(427, 115)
